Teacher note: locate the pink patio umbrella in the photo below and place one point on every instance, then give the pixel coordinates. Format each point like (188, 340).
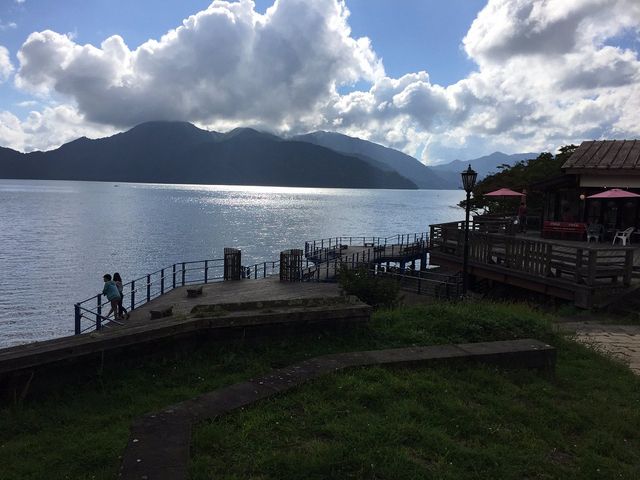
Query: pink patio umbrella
(614, 193)
(504, 192)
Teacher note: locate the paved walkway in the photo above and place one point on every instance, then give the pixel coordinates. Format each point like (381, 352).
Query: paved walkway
(620, 341)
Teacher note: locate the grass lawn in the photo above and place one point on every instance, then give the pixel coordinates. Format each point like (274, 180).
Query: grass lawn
(454, 421)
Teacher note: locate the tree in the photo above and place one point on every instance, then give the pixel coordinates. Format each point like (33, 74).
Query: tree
(519, 177)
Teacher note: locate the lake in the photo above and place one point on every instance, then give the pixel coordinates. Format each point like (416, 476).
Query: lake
(58, 238)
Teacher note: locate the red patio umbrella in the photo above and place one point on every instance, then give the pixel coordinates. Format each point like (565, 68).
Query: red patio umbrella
(504, 192)
(614, 193)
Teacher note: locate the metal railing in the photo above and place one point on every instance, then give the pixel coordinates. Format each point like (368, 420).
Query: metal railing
(261, 270)
(322, 263)
(436, 285)
(88, 314)
(313, 246)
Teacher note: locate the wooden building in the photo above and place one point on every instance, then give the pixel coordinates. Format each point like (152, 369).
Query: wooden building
(594, 167)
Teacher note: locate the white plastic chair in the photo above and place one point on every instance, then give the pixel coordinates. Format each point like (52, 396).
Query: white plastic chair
(623, 236)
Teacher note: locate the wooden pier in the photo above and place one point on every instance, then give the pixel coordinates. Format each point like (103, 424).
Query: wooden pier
(589, 275)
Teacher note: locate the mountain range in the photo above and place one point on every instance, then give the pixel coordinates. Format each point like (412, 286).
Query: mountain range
(483, 165)
(179, 152)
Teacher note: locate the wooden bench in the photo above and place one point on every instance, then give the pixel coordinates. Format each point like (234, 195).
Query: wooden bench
(562, 230)
(161, 312)
(194, 292)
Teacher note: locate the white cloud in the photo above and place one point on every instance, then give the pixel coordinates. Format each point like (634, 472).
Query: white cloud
(7, 26)
(548, 72)
(6, 68)
(47, 129)
(227, 61)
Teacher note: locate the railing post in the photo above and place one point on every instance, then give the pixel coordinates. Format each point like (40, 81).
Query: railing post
(162, 282)
(148, 288)
(264, 270)
(99, 312)
(133, 294)
(578, 265)
(628, 267)
(78, 318)
(174, 275)
(593, 260)
(206, 271)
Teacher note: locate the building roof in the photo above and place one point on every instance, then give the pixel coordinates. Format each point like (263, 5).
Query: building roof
(618, 155)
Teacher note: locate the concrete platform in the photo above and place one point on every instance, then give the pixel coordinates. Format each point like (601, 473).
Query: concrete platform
(226, 310)
(233, 292)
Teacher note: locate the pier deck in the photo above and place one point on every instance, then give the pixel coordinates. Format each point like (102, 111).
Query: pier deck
(247, 306)
(217, 293)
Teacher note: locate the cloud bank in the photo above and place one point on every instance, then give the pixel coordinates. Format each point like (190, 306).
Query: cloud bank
(548, 72)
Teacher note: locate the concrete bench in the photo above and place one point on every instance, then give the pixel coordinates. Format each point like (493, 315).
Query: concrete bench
(194, 292)
(161, 312)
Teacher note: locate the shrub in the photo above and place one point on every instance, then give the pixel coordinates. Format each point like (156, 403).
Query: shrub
(375, 291)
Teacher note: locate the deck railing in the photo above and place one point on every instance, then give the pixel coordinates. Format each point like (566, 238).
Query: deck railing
(580, 263)
(90, 313)
(313, 246)
(261, 270)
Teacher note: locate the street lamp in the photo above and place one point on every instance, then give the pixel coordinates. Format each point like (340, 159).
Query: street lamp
(468, 182)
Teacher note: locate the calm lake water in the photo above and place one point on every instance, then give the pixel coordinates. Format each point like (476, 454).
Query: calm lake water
(58, 238)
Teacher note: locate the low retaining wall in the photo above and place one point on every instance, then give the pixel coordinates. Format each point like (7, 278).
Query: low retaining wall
(21, 366)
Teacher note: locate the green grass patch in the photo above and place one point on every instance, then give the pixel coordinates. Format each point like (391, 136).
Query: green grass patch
(445, 422)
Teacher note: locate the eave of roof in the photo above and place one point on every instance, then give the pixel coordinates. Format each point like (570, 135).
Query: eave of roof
(618, 155)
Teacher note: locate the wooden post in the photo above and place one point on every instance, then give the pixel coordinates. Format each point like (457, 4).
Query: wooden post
(593, 260)
(162, 282)
(628, 267)
(547, 260)
(291, 265)
(206, 271)
(579, 264)
(232, 264)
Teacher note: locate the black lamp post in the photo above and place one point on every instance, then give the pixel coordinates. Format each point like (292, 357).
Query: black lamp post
(468, 182)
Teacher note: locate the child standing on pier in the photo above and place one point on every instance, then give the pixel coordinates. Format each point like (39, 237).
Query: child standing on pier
(110, 290)
(117, 279)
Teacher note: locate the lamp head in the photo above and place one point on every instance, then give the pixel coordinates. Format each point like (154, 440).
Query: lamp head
(469, 179)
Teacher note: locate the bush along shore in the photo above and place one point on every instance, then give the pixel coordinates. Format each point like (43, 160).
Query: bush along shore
(450, 421)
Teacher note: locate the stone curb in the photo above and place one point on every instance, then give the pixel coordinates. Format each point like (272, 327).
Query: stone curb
(159, 443)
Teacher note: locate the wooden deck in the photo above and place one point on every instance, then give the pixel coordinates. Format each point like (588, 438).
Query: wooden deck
(327, 262)
(590, 275)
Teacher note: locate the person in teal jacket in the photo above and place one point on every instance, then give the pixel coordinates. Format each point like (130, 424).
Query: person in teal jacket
(110, 290)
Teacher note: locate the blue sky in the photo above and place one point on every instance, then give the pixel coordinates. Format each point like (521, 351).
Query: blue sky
(439, 80)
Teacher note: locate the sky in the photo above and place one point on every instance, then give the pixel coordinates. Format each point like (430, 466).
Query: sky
(437, 80)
